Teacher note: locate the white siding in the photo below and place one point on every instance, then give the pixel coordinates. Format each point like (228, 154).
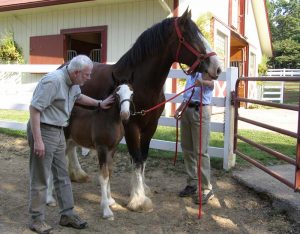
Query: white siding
(125, 21)
(219, 8)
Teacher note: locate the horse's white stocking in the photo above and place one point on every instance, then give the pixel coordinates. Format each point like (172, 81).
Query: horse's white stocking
(104, 205)
(75, 171)
(147, 188)
(111, 201)
(138, 200)
(50, 199)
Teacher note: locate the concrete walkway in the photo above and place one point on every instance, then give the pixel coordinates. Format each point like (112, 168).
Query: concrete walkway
(283, 197)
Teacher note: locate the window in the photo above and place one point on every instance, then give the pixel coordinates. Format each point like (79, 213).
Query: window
(221, 49)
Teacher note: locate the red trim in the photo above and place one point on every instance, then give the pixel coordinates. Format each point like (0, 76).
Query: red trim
(242, 17)
(102, 29)
(230, 13)
(175, 65)
(176, 8)
(20, 5)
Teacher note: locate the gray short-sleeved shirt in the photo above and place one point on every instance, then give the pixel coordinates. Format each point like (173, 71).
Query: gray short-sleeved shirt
(55, 96)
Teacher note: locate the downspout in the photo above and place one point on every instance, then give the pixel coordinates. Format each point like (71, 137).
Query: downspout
(166, 7)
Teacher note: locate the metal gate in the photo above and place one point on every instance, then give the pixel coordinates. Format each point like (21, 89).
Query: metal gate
(296, 162)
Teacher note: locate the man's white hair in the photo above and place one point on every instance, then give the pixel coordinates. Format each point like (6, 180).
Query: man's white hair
(79, 62)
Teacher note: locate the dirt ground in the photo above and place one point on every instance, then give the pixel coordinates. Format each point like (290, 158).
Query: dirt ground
(234, 209)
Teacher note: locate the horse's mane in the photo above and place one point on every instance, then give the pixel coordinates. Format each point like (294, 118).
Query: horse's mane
(149, 43)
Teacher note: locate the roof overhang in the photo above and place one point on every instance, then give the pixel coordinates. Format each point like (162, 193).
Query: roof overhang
(12, 5)
(263, 27)
(16, 5)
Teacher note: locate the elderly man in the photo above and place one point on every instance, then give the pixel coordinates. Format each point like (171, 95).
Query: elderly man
(50, 109)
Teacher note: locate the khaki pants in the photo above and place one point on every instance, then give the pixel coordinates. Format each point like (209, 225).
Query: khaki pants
(190, 140)
(40, 169)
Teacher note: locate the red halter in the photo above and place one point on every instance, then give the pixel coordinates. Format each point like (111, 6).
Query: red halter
(200, 57)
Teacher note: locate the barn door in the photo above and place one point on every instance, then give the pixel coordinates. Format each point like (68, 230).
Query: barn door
(49, 49)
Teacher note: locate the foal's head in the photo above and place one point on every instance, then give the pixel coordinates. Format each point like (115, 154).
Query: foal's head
(123, 95)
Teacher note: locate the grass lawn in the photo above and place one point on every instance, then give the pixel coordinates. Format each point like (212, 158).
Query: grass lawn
(14, 115)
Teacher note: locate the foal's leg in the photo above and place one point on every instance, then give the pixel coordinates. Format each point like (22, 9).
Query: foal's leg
(50, 188)
(75, 171)
(105, 162)
(138, 200)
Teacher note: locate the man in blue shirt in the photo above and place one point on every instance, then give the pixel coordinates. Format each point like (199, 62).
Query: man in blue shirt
(190, 135)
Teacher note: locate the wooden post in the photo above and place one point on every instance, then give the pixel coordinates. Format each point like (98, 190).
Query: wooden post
(229, 156)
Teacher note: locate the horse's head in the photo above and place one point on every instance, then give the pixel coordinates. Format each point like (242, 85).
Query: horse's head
(123, 95)
(193, 49)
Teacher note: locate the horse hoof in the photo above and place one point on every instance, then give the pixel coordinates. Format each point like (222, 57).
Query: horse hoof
(80, 179)
(111, 202)
(147, 206)
(108, 215)
(144, 207)
(111, 218)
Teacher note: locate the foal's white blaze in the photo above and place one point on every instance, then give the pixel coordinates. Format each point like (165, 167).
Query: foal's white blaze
(214, 68)
(125, 93)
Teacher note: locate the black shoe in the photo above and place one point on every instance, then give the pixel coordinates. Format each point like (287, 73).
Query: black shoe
(205, 197)
(72, 221)
(188, 191)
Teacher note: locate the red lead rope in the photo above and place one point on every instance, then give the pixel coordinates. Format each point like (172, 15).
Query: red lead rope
(200, 158)
(143, 112)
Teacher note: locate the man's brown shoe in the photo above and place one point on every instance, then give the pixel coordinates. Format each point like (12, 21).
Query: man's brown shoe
(40, 227)
(205, 197)
(72, 221)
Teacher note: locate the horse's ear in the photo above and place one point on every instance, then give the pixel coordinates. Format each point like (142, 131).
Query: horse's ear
(187, 15)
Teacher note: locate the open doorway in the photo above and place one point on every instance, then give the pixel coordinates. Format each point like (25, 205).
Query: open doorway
(84, 43)
(89, 41)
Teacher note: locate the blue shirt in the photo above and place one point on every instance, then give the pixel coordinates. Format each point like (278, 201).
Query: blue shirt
(207, 92)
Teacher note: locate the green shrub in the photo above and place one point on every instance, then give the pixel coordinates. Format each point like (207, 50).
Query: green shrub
(10, 52)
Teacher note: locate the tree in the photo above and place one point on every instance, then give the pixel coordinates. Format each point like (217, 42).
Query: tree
(284, 18)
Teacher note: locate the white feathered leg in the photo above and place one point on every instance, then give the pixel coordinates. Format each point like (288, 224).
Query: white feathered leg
(146, 187)
(111, 201)
(138, 200)
(105, 201)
